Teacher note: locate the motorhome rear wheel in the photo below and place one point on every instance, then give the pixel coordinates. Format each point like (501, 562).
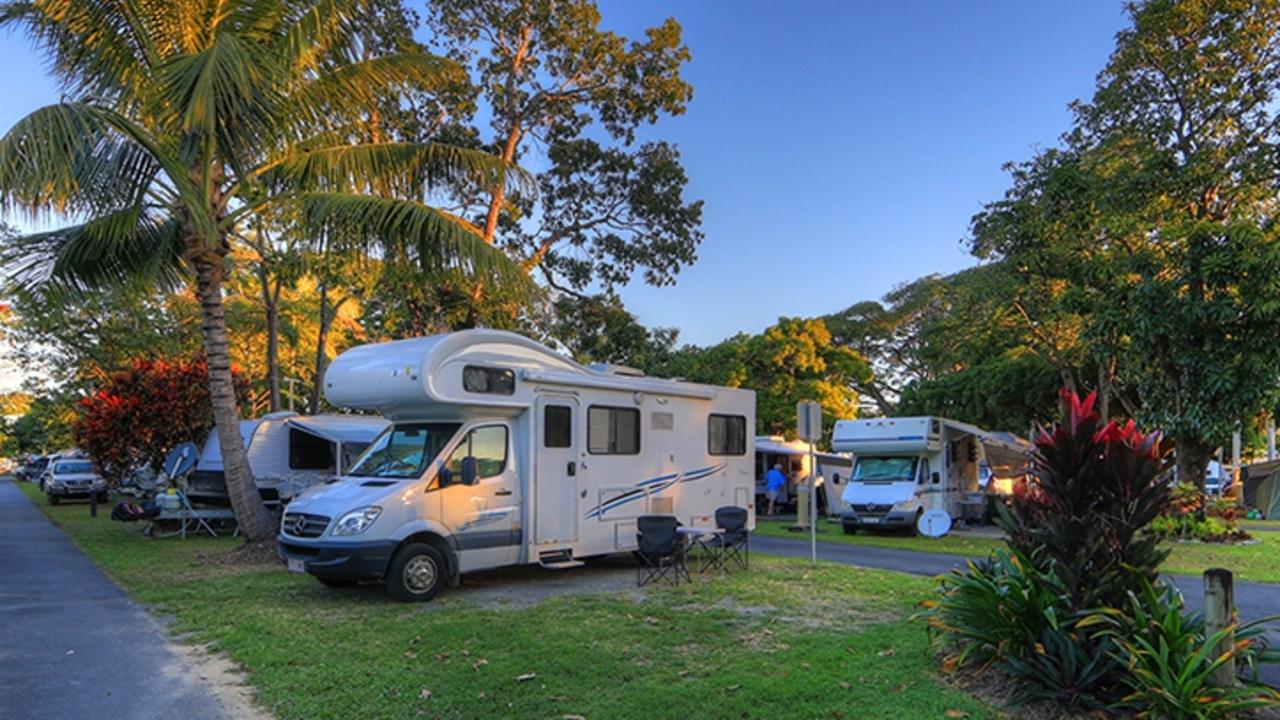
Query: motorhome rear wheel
(417, 573)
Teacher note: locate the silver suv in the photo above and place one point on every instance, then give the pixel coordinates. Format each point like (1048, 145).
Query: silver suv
(73, 478)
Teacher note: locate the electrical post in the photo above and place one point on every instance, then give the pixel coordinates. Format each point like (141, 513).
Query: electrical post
(809, 428)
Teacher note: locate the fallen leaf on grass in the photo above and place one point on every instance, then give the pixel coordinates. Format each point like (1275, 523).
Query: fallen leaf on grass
(731, 688)
(425, 694)
(953, 713)
(410, 654)
(886, 653)
(846, 684)
(479, 664)
(526, 677)
(572, 717)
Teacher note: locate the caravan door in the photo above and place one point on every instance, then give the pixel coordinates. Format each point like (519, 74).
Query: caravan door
(556, 472)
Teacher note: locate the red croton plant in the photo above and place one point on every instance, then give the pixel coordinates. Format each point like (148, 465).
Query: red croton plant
(1096, 486)
(141, 413)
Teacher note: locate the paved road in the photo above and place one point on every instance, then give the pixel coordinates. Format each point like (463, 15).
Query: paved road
(72, 644)
(1254, 600)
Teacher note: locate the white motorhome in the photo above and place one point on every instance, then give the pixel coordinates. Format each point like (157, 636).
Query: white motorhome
(503, 452)
(287, 453)
(833, 472)
(907, 466)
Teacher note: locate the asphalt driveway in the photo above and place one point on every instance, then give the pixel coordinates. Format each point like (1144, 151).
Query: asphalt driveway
(72, 643)
(1253, 600)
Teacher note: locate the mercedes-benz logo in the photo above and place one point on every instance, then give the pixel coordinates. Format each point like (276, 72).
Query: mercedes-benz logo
(299, 525)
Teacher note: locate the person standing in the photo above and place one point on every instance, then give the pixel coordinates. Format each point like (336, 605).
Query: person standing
(774, 482)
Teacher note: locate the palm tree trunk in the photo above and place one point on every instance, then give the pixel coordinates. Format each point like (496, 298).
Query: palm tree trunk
(322, 338)
(251, 515)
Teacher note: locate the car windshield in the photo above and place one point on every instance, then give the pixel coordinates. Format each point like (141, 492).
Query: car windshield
(885, 469)
(72, 468)
(403, 451)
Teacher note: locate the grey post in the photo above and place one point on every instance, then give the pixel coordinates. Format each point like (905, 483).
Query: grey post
(1219, 615)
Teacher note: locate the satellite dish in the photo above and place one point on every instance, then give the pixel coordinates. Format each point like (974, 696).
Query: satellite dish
(180, 460)
(934, 523)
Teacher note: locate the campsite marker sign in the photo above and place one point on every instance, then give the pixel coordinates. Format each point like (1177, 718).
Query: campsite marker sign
(809, 428)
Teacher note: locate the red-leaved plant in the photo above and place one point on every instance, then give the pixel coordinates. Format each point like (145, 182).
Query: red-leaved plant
(142, 412)
(1081, 518)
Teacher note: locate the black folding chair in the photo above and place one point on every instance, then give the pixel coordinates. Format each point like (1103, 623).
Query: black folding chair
(732, 544)
(661, 550)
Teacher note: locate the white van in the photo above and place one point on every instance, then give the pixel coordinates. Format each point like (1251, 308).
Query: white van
(907, 466)
(503, 452)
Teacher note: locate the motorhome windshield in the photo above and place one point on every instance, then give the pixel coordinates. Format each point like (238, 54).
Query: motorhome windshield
(885, 469)
(403, 451)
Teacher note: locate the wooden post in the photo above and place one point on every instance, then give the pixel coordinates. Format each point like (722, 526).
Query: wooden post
(1219, 615)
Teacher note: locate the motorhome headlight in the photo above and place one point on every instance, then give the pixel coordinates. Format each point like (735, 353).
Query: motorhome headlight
(356, 521)
(904, 506)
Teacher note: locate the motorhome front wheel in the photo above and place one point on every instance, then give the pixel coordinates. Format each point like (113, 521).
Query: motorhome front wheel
(417, 573)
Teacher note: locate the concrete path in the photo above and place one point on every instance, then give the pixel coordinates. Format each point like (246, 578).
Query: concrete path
(72, 643)
(1253, 600)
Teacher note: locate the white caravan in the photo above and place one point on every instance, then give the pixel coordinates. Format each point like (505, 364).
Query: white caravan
(287, 453)
(910, 465)
(833, 471)
(503, 452)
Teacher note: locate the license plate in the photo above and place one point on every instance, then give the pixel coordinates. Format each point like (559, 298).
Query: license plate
(296, 565)
(869, 521)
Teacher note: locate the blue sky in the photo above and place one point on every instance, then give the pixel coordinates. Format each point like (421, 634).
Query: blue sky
(841, 147)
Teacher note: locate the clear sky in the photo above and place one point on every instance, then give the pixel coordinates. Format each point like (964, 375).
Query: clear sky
(841, 147)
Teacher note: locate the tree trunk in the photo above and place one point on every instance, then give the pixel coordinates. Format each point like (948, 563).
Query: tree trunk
(255, 523)
(1193, 459)
(271, 306)
(327, 316)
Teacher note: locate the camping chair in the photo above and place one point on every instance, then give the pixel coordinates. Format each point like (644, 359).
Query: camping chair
(732, 545)
(661, 550)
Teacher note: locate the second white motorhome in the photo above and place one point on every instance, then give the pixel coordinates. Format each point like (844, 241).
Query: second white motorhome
(907, 466)
(503, 452)
(833, 472)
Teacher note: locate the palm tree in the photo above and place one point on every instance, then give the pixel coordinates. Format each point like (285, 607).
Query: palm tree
(185, 120)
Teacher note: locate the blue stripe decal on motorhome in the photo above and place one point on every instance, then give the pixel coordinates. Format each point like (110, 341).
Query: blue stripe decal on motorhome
(900, 437)
(653, 486)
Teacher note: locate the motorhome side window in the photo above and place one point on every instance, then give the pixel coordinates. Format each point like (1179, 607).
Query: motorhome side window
(726, 435)
(924, 470)
(308, 452)
(613, 430)
(488, 445)
(557, 426)
(488, 380)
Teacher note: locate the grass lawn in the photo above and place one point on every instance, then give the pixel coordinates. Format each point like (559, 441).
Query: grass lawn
(782, 641)
(1258, 562)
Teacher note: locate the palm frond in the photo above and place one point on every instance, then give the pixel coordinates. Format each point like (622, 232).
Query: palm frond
(437, 239)
(98, 48)
(402, 169)
(351, 90)
(110, 250)
(63, 159)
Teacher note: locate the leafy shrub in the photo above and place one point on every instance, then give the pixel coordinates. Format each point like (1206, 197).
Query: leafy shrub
(141, 413)
(1183, 521)
(1168, 659)
(994, 609)
(1096, 488)
(1067, 667)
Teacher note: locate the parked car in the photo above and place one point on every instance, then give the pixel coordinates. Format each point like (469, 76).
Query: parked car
(31, 469)
(73, 478)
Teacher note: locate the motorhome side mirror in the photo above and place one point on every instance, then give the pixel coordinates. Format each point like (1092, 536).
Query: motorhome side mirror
(937, 478)
(469, 470)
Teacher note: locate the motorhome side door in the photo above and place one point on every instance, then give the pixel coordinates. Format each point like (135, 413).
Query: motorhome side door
(556, 473)
(481, 503)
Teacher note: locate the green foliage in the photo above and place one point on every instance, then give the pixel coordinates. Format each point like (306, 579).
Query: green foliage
(1168, 659)
(607, 207)
(600, 329)
(1156, 219)
(1007, 392)
(792, 361)
(44, 428)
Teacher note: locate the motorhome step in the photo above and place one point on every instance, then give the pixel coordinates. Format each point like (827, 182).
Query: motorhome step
(559, 560)
(562, 564)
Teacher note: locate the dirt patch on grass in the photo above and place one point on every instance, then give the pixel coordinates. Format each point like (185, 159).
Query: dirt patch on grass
(525, 586)
(220, 676)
